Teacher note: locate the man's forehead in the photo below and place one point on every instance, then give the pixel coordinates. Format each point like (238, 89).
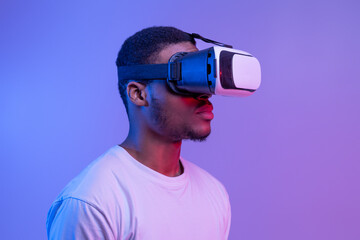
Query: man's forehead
(165, 54)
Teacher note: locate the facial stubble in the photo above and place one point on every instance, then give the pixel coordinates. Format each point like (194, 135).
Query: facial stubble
(162, 119)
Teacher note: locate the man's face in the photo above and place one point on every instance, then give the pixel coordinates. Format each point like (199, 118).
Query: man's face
(175, 116)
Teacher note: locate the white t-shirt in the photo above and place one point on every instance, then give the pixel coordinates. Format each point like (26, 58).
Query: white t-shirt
(117, 197)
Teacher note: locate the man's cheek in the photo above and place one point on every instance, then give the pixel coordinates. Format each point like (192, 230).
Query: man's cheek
(188, 101)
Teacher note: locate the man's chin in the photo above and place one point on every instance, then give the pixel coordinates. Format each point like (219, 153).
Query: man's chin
(203, 139)
(198, 137)
(190, 133)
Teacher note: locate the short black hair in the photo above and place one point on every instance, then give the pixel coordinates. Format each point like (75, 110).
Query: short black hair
(143, 46)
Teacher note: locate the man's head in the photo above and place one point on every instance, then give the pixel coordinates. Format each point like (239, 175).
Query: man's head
(152, 106)
(143, 48)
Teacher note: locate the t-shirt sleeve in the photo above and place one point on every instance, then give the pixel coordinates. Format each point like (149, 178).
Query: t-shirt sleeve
(75, 219)
(227, 218)
(226, 211)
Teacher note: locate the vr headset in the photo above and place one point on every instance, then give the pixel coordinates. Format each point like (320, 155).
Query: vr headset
(218, 70)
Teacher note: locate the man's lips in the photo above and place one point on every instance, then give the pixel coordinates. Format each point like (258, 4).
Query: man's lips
(205, 112)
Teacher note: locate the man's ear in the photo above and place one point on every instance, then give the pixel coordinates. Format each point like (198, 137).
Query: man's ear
(137, 93)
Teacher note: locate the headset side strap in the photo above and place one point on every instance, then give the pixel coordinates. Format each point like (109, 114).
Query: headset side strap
(143, 72)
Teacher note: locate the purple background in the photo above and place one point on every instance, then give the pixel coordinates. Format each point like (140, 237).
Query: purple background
(289, 155)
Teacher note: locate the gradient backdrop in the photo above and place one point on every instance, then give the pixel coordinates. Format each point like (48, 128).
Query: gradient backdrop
(289, 155)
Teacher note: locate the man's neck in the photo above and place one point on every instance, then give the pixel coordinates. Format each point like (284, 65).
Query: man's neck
(154, 152)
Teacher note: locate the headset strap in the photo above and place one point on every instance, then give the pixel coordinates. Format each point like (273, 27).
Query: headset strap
(195, 35)
(159, 71)
(143, 72)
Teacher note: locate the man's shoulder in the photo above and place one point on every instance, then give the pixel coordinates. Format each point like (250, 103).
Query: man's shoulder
(97, 180)
(96, 195)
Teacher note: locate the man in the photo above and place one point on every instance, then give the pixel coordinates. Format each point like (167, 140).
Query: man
(143, 189)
